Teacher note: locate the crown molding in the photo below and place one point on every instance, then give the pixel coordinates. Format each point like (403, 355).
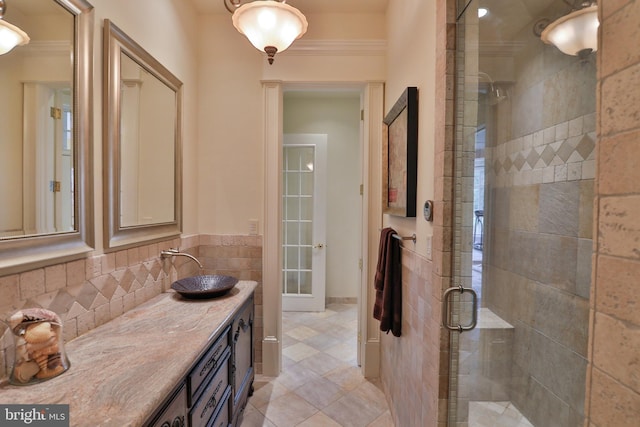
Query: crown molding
(338, 47)
(63, 47)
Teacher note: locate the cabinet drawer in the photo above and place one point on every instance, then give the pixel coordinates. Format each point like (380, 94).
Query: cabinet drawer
(207, 405)
(222, 417)
(208, 364)
(175, 412)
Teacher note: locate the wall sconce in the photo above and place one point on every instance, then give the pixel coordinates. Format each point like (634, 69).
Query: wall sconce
(10, 35)
(576, 33)
(270, 25)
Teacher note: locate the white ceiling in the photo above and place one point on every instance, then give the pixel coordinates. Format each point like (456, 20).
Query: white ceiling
(307, 6)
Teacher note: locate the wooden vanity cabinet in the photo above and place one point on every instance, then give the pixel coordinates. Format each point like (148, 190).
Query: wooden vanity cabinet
(242, 366)
(216, 390)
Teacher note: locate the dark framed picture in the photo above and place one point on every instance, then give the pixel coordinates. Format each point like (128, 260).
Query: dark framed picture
(400, 156)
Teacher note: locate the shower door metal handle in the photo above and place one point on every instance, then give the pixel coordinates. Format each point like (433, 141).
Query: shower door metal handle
(446, 312)
(318, 246)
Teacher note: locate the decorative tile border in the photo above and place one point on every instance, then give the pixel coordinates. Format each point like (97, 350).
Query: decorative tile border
(565, 152)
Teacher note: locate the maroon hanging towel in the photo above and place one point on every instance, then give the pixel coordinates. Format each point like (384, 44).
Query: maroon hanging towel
(388, 283)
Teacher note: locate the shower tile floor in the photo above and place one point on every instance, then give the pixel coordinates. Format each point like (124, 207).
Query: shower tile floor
(320, 383)
(496, 414)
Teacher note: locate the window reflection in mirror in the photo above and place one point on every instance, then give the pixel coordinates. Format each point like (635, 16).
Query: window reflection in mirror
(142, 136)
(147, 138)
(46, 200)
(37, 162)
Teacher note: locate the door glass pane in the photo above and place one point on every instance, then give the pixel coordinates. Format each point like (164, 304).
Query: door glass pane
(292, 232)
(291, 259)
(298, 181)
(305, 282)
(306, 208)
(525, 139)
(306, 183)
(306, 233)
(305, 258)
(291, 282)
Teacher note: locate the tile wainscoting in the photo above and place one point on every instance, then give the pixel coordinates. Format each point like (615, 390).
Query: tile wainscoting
(90, 292)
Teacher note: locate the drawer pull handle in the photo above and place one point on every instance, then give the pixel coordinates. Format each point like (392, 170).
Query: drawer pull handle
(177, 422)
(212, 363)
(241, 325)
(212, 402)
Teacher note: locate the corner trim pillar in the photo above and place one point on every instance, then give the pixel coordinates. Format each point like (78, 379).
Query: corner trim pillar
(271, 259)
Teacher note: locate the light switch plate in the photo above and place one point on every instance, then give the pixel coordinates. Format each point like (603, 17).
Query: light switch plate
(253, 227)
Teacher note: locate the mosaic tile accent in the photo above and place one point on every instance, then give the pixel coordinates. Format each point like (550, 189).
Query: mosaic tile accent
(565, 152)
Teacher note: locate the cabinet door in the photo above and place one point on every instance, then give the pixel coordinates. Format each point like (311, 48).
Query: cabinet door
(242, 367)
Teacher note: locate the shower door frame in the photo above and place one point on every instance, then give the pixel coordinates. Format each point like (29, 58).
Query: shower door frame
(571, 359)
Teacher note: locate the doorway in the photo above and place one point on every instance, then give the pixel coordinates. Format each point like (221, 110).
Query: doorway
(370, 141)
(309, 116)
(526, 116)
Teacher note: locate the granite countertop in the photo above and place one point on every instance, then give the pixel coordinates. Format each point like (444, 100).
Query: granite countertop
(123, 370)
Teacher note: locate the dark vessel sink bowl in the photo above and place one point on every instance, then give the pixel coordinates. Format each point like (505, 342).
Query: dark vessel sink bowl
(206, 286)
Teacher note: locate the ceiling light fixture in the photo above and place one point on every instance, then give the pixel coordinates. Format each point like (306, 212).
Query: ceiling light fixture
(10, 35)
(576, 33)
(270, 25)
(482, 12)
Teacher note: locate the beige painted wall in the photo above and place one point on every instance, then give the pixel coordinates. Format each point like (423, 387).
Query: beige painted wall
(231, 152)
(171, 38)
(411, 62)
(410, 366)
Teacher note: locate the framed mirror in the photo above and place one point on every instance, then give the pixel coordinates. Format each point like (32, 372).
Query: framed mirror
(46, 86)
(142, 144)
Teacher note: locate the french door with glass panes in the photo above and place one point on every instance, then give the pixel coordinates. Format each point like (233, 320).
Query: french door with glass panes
(304, 222)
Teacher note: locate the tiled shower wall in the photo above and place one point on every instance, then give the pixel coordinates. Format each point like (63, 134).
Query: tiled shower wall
(538, 217)
(89, 292)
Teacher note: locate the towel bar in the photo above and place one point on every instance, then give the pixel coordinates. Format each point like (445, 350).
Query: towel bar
(412, 237)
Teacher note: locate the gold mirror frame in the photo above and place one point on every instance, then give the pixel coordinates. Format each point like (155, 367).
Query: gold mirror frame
(116, 43)
(26, 253)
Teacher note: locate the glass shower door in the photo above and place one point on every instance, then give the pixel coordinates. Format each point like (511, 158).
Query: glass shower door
(525, 138)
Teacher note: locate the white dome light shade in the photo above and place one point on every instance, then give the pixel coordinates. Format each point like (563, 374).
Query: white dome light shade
(575, 33)
(11, 36)
(271, 26)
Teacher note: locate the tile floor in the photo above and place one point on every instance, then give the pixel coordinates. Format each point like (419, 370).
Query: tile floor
(320, 383)
(492, 414)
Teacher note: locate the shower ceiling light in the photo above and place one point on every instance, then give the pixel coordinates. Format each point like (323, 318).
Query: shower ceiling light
(10, 35)
(270, 25)
(576, 33)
